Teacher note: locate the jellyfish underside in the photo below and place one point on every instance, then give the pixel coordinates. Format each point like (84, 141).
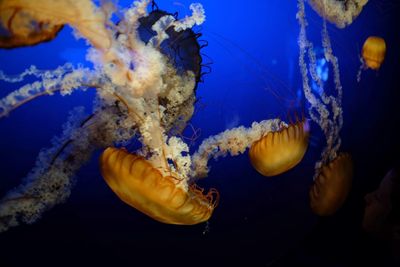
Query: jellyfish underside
(25, 22)
(339, 12)
(332, 186)
(143, 187)
(279, 151)
(19, 29)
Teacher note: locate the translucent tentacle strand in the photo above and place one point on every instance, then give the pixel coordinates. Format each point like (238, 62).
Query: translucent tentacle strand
(233, 141)
(64, 79)
(325, 110)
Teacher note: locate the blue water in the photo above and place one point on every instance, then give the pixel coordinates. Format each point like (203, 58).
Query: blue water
(260, 221)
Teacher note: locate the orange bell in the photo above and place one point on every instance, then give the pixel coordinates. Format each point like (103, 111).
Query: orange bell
(373, 52)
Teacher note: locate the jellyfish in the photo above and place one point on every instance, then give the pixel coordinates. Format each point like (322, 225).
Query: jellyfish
(163, 198)
(35, 33)
(332, 186)
(372, 55)
(24, 22)
(326, 111)
(382, 211)
(373, 52)
(20, 28)
(280, 151)
(233, 141)
(339, 12)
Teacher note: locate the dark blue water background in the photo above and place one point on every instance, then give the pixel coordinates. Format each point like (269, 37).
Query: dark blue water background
(255, 76)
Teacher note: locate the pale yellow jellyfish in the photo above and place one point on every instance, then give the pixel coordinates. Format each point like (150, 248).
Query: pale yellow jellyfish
(140, 185)
(279, 151)
(373, 52)
(332, 186)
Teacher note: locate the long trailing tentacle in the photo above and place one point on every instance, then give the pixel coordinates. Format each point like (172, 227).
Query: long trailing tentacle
(325, 110)
(50, 182)
(65, 79)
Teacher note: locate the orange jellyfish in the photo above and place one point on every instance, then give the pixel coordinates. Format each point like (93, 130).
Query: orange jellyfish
(137, 183)
(373, 52)
(27, 22)
(18, 28)
(279, 151)
(332, 185)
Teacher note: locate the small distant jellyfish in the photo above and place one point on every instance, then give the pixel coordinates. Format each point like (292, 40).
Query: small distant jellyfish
(339, 12)
(332, 186)
(372, 55)
(373, 52)
(280, 151)
(164, 198)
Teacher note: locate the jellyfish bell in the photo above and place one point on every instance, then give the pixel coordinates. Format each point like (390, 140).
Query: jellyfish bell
(373, 52)
(378, 204)
(382, 207)
(279, 151)
(332, 185)
(25, 22)
(339, 12)
(28, 32)
(182, 50)
(19, 28)
(140, 185)
(182, 47)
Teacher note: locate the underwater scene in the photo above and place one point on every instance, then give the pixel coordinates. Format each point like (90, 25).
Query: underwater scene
(199, 133)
